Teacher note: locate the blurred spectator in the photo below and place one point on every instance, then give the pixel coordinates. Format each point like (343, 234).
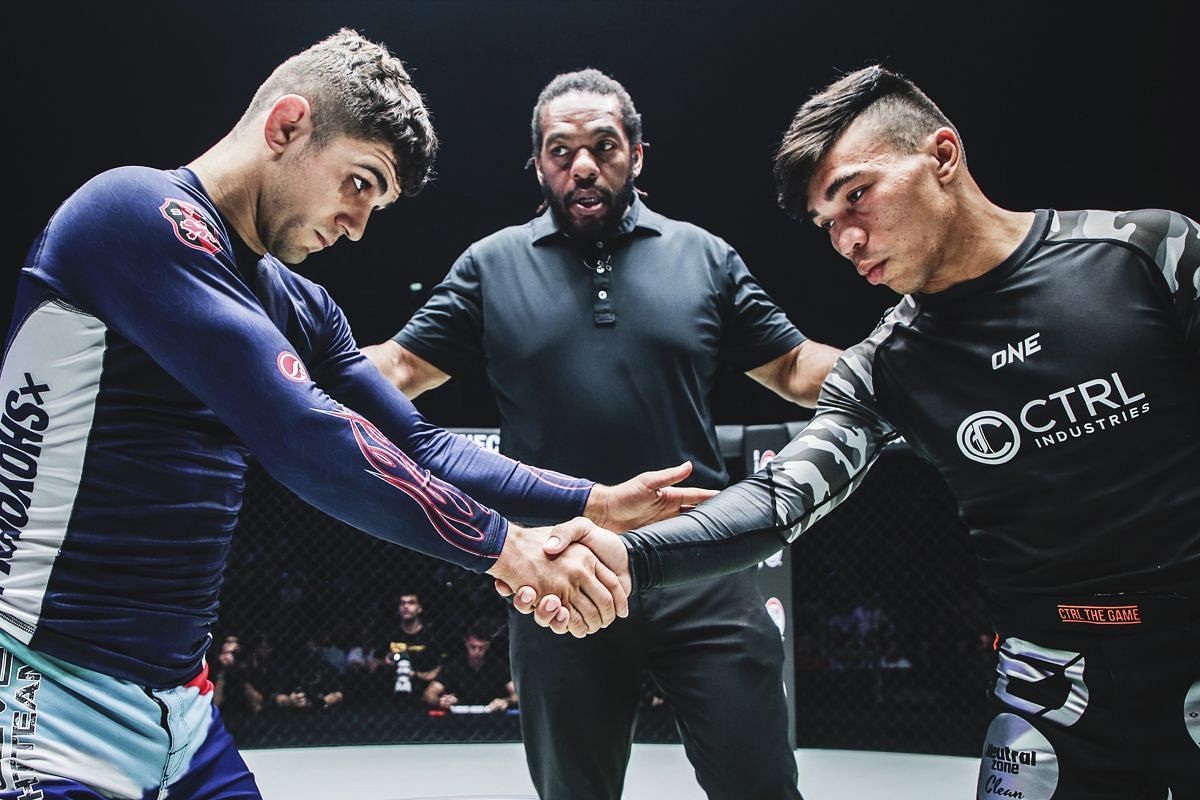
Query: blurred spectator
(308, 681)
(334, 655)
(869, 622)
(414, 654)
(841, 624)
(363, 652)
(843, 646)
(365, 667)
(473, 678)
(239, 677)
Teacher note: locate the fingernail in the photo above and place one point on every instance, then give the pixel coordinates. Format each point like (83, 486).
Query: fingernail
(527, 595)
(553, 541)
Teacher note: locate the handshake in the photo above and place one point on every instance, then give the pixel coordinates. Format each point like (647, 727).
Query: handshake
(574, 577)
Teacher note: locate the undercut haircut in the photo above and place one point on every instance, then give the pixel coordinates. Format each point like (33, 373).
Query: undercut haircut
(906, 113)
(587, 81)
(357, 88)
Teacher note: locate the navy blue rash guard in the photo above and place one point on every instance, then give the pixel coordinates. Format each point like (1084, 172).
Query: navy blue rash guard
(149, 351)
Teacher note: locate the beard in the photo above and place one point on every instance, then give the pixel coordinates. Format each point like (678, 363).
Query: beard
(618, 203)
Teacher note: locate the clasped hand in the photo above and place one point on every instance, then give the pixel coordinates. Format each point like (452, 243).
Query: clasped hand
(574, 578)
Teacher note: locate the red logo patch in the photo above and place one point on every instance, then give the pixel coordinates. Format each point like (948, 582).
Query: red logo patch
(190, 226)
(1100, 615)
(291, 367)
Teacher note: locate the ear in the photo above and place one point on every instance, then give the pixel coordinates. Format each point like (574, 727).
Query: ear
(947, 150)
(288, 121)
(638, 156)
(537, 167)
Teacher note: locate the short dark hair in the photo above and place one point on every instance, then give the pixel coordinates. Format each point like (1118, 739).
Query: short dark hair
(587, 81)
(359, 89)
(909, 113)
(480, 632)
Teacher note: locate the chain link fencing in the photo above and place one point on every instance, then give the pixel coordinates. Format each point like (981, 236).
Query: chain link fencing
(317, 644)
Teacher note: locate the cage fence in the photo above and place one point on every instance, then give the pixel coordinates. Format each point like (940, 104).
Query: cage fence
(330, 636)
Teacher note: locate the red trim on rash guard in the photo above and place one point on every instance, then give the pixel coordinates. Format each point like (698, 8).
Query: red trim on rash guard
(201, 681)
(456, 517)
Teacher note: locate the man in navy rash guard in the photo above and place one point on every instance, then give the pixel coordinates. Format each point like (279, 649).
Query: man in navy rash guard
(1047, 363)
(157, 337)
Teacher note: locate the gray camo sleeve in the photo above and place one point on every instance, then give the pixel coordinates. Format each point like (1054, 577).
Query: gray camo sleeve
(1167, 238)
(817, 470)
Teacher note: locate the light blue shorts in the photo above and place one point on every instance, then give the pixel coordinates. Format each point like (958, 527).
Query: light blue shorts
(65, 729)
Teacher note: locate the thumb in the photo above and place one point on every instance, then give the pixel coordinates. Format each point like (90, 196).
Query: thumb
(670, 476)
(565, 533)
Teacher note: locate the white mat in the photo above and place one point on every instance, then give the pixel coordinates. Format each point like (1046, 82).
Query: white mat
(656, 772)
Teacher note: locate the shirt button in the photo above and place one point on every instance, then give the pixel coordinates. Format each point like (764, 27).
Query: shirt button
(603, 295)
(599, 245)
(599, 270)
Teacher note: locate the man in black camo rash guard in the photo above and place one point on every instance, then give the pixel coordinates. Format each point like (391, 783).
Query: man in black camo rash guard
(1047, 363)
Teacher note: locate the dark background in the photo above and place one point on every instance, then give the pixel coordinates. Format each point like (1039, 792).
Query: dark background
(1067, 105)
(1060, 104)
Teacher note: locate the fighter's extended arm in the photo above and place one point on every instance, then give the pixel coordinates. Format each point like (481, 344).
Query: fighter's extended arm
(113, 252)
(744, 524)
(755, 517)
(509, 486)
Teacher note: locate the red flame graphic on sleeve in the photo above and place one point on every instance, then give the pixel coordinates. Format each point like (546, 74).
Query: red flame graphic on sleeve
(457, 518)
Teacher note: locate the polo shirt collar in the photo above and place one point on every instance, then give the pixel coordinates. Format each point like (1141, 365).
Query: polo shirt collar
(639, 219)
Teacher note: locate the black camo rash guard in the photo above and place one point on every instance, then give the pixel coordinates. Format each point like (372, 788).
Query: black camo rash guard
(1058, 395)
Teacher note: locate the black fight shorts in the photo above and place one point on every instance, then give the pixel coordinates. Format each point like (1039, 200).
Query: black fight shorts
(1096, 698)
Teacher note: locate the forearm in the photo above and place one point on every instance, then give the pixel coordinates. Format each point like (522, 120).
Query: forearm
(813, 363)
(410, 374)
(798, 374)
(508, 486)
(254, 698)
(755, 517)
(375, 486)
(732, 531)
(330, 456)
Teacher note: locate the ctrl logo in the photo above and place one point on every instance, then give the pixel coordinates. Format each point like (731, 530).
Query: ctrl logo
(989, 437)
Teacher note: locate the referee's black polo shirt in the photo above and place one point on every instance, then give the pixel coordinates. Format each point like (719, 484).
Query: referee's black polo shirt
(603, 354)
